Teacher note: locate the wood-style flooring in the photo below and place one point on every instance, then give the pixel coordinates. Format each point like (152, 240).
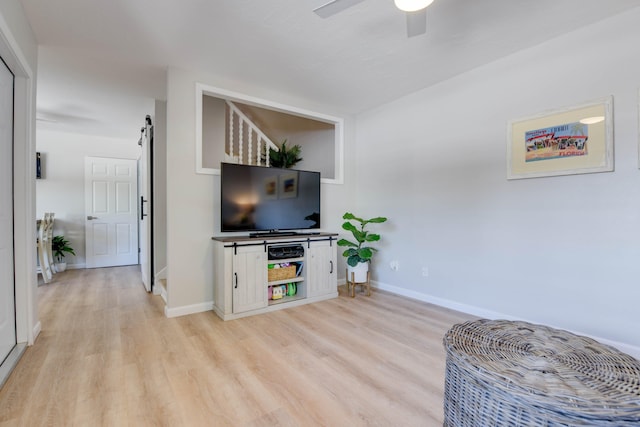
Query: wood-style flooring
(107, 356)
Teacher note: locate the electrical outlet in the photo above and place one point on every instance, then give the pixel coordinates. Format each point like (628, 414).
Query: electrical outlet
(395, 265)
(425, 271)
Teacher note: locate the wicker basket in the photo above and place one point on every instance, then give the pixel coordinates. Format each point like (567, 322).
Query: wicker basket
(504, 373)
(282, 273)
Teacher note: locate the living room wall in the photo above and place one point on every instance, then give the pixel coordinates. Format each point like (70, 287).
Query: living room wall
(561, 250)
(193, 200)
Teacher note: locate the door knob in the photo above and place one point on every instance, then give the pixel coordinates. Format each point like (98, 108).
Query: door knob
(89, 217)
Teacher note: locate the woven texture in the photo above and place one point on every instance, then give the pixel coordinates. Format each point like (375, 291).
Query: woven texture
(506, 373)
(282, 273)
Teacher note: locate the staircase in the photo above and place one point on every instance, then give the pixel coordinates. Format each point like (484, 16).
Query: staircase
(246, 143)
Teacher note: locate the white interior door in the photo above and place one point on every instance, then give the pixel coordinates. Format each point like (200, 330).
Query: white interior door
(7, 283)
(111, 223)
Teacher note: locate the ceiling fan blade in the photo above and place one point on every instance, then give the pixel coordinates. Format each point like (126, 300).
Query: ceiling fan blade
(416, 22)
(334, 6)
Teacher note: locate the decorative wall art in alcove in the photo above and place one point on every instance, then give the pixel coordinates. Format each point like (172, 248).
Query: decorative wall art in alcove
(236, 128)
(566, 141)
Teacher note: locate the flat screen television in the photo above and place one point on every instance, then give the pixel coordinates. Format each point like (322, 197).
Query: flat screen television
(268, 200)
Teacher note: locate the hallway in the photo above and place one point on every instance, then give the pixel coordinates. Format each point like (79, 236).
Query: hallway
(97, 332)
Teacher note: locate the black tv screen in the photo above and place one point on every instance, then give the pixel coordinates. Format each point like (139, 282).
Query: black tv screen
(257, 198)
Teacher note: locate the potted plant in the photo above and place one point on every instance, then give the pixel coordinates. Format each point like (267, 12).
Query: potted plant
(60, 247)
(285, 157)
(359, 256)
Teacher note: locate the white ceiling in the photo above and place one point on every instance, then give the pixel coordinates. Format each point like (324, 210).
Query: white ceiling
(103, 60)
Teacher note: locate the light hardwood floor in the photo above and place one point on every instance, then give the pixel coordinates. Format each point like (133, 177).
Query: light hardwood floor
(108, 356)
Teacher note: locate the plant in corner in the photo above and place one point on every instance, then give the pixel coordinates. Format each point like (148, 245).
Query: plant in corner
(60, 247)
(286, 157)
(359, 256)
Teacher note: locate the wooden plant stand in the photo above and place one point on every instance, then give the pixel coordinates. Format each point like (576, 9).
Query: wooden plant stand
(351, 284)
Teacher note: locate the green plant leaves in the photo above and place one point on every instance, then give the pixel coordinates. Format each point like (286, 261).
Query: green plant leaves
(349, 215)
(353, 260)
(60, 246)
(286, 157)
(363, 222)
(372, 237)
(345, 242)
(378, 219)
(349, 227)
(365, 253)
(356, 252)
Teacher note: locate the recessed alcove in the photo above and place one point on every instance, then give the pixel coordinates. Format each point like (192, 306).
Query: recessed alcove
(320, 136)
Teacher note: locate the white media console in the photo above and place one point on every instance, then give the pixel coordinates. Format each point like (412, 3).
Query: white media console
(255, 275)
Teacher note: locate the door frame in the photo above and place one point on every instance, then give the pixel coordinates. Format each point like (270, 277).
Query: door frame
(27, 323)
(9, 332)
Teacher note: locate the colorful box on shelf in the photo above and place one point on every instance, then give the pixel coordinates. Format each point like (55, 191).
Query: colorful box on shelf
(281, 291)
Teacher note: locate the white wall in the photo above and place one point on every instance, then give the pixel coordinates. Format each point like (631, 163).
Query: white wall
(62, 189)
(563, 251)
(193, 200)
(213, 131)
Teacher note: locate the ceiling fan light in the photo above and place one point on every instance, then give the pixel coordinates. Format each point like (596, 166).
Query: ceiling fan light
(412, 5)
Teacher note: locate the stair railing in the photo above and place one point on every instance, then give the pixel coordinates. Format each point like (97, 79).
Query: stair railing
(236, 139)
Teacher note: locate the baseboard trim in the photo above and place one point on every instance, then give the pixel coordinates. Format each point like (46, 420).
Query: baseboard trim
(36, 331)
(274, 307)
(159, 289)
(489, 314)
(188, 309)
(76, 266)
(162, 274)
(11, 361)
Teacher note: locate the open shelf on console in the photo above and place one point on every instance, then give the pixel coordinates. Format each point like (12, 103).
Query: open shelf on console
(291, 290)
(285, 281)
(286, 299)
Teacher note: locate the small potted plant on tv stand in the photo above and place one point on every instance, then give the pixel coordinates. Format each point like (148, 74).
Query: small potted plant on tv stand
(359, 256)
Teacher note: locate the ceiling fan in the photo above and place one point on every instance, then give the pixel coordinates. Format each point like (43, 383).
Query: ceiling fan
(416, 11)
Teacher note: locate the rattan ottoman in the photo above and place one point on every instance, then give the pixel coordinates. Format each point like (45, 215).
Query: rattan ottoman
(509, 373)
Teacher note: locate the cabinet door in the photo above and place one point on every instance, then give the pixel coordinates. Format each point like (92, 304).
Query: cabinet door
(321, 269)
(249, 279)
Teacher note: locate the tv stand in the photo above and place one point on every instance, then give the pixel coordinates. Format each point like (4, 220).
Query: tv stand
(254, 276)
(272, 234)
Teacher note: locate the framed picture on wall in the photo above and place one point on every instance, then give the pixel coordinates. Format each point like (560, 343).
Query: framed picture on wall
(566, 141)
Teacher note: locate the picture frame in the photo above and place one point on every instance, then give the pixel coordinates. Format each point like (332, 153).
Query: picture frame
(566, 141)
(271, 188)
(288, 188)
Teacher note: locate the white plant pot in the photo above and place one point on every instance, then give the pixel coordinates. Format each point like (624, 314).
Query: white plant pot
(359, 272)
(61, 266)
